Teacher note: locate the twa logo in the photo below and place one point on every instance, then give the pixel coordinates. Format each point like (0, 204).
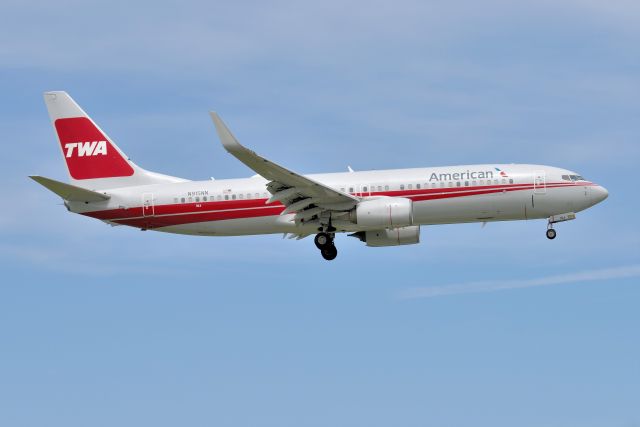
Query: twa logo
(93, 148)
(94, 156)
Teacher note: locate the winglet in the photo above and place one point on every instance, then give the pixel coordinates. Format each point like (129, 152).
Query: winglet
(229, 142)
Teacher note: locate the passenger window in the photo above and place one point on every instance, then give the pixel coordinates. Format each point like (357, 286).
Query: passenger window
(458, 184)
(226, 197)
(342, 189)
(386, 188)
(379, 187)
(350, 189)
(364, 189)
(482, 182)
(504, 181)
(441, 185)
(197, 199)
(410, 186)
(175, 200)
(401, 186)
(466, 183)
(511, 181)
(417, 186)
(257, 195)
(190, 199)
(233, 196)
(450, 184)
(495, 181)
(218, 197)
(240, 196)
(182, 200)
(248, 195)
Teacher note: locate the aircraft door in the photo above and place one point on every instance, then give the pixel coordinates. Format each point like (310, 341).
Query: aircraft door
(539, 198)
(539, 182)
(147, 204)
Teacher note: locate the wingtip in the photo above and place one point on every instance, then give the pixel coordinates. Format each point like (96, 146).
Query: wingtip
(217, 121)
(226, 137)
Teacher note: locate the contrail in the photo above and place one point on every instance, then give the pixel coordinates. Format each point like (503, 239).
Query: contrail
(492, 285)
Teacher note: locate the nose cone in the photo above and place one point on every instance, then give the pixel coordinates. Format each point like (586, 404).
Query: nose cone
(598, 194)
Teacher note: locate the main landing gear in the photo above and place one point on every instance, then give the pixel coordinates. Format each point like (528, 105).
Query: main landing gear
(324, 242)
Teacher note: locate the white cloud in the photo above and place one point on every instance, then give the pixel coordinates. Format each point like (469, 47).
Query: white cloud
(614, 273)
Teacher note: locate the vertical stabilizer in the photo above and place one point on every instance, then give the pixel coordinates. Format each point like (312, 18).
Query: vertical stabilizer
(93, 160)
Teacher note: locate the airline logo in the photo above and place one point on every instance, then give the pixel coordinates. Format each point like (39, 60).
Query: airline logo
(94, 148)
(456, 176)
(502, 173)
(88, 152)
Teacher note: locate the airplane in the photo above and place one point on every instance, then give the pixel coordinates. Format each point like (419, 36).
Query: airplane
(379, 207)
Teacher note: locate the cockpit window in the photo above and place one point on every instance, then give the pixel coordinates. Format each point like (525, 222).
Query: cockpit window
(572, 178)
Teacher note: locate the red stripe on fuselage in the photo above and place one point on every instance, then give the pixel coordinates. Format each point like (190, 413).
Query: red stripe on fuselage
(187, 213)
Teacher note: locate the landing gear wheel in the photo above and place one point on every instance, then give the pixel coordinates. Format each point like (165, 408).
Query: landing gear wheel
(551, 234)
(329, 253)
(322, 240)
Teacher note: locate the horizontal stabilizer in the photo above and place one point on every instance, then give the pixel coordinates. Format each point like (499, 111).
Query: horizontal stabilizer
(70, 192)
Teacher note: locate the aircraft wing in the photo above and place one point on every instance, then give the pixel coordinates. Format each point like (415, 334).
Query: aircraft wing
(302, 195)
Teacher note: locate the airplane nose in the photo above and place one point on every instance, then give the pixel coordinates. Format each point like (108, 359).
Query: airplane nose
(599, 193)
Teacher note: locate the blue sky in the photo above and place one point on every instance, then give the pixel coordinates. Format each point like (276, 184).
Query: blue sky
(493, 326)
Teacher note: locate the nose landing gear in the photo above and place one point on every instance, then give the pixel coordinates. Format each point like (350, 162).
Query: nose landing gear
(324, 242)
(551, 233)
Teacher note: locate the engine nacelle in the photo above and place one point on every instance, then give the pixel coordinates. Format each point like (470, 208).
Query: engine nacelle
(390, 237)
(386, 212)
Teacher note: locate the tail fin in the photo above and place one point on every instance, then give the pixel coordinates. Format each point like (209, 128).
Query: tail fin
(93, 159)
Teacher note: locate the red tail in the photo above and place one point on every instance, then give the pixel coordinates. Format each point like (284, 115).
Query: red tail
(88, 152)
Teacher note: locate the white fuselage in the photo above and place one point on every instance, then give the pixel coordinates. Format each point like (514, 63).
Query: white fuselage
(440, 195)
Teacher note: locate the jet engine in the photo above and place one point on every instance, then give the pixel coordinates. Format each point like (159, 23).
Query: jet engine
(390, 237)
(385, 212)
